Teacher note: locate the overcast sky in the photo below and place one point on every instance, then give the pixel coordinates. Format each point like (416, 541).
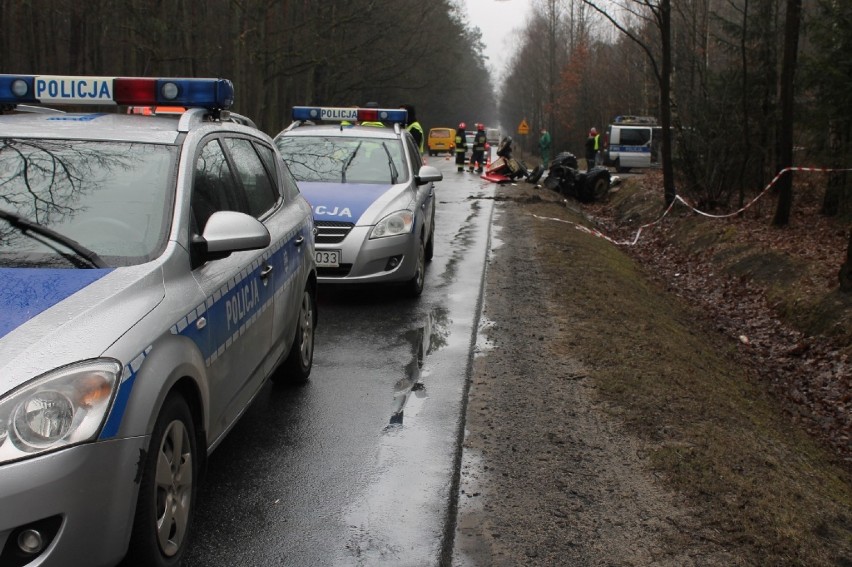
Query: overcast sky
(497, 19)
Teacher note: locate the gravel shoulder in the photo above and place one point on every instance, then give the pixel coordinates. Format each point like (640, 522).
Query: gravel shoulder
(610, 423)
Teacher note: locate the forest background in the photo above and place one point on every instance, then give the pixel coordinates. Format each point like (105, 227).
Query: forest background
(576, 64)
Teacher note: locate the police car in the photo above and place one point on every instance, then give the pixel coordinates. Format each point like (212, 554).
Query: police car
(632, 142)
(154, 272)
(372, 196)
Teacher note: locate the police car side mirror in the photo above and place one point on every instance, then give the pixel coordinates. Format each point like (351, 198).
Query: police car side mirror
(227, 232)
(428, 174)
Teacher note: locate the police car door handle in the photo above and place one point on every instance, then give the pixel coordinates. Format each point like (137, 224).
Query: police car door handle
(299, 240)
(264, 273)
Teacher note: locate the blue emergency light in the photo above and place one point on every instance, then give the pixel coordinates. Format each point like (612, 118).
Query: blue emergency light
(67, 89)
(341, 114)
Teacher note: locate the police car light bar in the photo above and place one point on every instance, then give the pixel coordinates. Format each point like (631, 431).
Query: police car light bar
(61, 89)
(331, 114)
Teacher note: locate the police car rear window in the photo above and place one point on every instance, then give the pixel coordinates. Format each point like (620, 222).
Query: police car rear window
(113, 198)
(634, 136)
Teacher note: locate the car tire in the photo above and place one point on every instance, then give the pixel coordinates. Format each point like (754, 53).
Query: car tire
(536, 174)
(552, 182)
(297, 366)
(166, 501)
(414, 286)
(599, 187)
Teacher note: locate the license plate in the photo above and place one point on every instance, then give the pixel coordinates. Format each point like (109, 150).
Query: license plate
(327, 258)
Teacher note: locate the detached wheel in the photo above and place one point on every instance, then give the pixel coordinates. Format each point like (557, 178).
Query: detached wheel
(414, 286)
(552, 182)
(297, 367)
(599, 187)
(536, 174)
(167, 490)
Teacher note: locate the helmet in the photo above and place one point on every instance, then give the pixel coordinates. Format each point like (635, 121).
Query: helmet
(461, 126)
(480, 126)
(593, 132)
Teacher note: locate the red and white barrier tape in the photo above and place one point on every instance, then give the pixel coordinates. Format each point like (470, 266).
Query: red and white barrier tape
(762, 193)
(677, 198)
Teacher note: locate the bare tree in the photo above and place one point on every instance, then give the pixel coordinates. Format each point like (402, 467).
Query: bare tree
(785, 136)
(657, 13)
(279, 53)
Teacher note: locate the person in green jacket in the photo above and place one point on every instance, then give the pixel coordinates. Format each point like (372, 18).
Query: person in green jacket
(544, 146)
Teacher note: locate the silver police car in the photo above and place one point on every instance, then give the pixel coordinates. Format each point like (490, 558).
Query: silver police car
(155, 271)
(373, 198)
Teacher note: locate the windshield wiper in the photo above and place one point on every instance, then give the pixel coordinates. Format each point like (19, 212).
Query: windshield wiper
(26, 226)
(394, 172)
(349, 162)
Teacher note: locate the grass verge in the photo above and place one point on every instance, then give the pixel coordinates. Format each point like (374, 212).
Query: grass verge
(762, 486)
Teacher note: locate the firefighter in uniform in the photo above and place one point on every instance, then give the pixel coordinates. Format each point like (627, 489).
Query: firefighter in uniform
(478, 156)
(461, 146)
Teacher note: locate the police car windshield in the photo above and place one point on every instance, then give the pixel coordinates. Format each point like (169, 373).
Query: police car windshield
(35, 230)
(344, 159)
(110, 198)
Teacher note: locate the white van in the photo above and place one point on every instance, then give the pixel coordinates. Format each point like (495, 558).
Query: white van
(493, 136)
(632, 141)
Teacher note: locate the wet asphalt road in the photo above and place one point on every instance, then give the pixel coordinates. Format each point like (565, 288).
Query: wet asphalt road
(359, 466)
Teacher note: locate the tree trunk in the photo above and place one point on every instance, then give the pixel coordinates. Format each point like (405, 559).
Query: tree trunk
(785, 135)
(745, 107)
(836, 179)
(845, 274)
(665, 100)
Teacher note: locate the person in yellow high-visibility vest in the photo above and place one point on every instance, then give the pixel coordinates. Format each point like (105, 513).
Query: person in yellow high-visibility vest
(593, 148)
(414, 127)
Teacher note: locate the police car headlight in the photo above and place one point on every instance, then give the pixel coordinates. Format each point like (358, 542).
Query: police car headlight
(400, 222)
(64, 407)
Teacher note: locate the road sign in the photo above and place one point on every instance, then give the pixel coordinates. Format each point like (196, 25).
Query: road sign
(523, 127)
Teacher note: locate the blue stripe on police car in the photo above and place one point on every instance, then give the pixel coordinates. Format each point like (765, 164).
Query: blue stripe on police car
(26, 292)
(343, 202)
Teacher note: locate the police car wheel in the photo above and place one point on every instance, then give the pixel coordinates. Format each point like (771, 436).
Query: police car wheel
(297, 367)
(414, 287)
(167, 490)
